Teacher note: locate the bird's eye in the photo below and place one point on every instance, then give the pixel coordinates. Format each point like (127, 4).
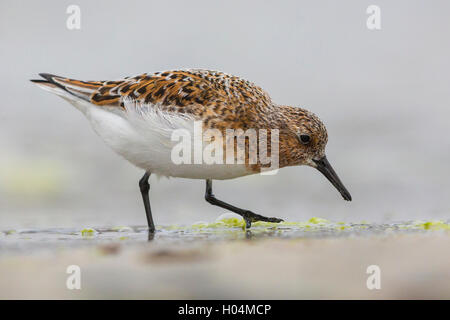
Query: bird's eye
(304, 138)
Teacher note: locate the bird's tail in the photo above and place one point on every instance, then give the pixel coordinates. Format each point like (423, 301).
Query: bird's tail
(70, 89)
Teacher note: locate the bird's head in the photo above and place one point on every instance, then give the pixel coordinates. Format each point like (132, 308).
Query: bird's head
(305, 139)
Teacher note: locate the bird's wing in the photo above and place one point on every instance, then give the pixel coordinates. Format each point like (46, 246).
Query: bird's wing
(203, 93)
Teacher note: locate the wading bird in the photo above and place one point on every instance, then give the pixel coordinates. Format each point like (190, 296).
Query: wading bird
(135, 116)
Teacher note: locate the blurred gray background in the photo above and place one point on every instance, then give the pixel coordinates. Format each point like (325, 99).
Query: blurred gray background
(384, 96)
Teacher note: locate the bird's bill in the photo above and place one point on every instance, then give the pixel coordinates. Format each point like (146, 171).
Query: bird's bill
(327, 170)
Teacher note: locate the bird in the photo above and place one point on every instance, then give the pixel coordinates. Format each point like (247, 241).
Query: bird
(136, 117)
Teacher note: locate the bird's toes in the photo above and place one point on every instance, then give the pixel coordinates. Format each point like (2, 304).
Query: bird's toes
(275, 220)
(253, 217)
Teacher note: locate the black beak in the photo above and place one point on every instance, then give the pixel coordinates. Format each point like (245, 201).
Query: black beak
(325, 167)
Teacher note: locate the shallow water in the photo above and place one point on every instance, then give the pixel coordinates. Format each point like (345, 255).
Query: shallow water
(314, 259)
(30, 240)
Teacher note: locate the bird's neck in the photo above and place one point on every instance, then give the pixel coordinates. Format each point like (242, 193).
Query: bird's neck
(277, 117)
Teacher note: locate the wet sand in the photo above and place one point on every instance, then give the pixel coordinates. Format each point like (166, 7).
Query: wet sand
(316, 259)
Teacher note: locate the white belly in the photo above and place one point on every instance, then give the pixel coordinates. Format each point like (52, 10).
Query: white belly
(145, 141)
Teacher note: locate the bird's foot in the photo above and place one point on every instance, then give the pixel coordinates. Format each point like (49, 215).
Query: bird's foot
(250, 217)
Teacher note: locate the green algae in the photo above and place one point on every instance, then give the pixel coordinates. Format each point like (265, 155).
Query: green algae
(432, 225)
(314, 223)
(223, 223)
(88, 232)
(316, 220)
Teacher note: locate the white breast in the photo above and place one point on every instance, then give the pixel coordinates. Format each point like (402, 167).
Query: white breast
(142, 135)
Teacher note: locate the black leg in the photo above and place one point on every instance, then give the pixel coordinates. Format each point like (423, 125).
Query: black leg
(145, 188)
(248, 216)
